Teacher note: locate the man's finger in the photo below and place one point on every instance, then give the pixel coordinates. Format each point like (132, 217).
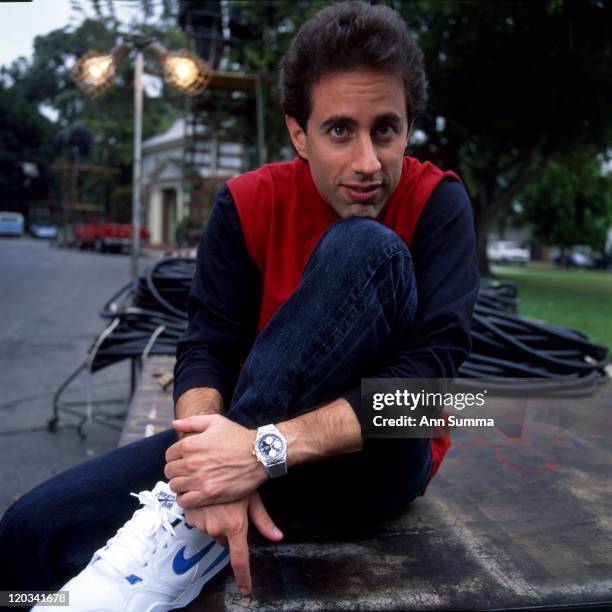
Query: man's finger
(262, 520)
(173, 452)
(239, 559)
(175, 468)
(190, 499)
(195, 423)
(181, 484)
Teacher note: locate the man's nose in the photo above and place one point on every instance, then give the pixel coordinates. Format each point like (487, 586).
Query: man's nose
(365, 160)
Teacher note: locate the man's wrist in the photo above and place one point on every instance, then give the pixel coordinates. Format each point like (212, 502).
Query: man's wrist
(297, 440)
(198, 401)
(332, 429)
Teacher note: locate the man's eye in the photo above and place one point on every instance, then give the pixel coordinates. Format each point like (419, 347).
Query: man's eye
(339, 131)
(385, 130)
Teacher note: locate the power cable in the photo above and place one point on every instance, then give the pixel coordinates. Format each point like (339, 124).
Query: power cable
(148, 318)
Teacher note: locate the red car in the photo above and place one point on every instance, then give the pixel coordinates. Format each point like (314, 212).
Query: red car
(106, 236)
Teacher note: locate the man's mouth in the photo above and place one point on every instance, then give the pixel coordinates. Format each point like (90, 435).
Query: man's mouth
(362, 193)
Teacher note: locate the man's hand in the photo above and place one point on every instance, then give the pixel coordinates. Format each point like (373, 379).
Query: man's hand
(214, 464)
(228, 524)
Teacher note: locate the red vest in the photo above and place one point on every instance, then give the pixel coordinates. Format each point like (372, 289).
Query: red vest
(283, 217)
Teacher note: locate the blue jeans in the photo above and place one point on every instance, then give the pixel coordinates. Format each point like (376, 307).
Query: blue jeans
(354, 308)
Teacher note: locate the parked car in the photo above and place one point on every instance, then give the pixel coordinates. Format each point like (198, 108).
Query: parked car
(43, 229)
(578, 256)
(506, 251)
(11, 224)
(106, 236)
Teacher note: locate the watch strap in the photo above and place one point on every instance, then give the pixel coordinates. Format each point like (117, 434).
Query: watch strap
(277, 469)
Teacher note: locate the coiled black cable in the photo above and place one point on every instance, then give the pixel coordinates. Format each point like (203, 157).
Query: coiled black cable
(505, 344)
(158, 299)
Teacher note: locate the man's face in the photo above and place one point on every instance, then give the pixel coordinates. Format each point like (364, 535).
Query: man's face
(355, 139)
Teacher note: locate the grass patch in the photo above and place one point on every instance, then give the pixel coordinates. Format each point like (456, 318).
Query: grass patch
(580, 299)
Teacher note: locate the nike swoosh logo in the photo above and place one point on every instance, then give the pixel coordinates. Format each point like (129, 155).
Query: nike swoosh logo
(180, 564)
(221, 557)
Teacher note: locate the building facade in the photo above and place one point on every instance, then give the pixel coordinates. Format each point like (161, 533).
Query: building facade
(166, 202)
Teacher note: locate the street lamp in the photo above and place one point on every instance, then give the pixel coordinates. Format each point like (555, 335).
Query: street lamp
(95, 72)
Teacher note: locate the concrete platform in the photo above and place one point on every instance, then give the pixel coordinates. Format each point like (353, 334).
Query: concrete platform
(509, 522)
(151, 409)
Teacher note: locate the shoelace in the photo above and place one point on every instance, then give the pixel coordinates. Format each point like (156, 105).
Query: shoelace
(141, 535)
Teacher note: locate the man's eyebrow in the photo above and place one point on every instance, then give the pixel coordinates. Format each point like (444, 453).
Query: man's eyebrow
(390, 117)
(337, 120)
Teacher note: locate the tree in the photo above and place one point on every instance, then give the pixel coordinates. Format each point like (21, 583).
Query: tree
(25, 139)
(571, 203)
(45, 81)
(256, 38)
(513, 84)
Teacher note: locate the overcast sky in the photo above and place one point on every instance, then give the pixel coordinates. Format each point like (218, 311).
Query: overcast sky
(20, 22)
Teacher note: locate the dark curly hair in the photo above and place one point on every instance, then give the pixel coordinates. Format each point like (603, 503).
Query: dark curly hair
(348, 36)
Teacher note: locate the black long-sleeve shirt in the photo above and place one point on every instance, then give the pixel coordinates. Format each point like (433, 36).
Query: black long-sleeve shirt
(224, 300)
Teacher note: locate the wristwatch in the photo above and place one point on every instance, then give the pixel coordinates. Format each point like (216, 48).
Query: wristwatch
(270, 448)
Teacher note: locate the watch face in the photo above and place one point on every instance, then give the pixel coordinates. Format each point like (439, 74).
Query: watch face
(270, 446)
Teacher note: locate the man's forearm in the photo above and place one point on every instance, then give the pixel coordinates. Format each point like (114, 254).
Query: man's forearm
(202, 400)
(332, 429)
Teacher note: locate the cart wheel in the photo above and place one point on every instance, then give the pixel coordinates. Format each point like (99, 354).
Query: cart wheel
(52, 424)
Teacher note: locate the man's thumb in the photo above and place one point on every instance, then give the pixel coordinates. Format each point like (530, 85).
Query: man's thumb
(193, 423)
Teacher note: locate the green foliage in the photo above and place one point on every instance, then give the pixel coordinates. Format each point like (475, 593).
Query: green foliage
(187, 233)
(571, 203)
(264, 30)
(121, 204)
(517, 84)
(260, 33)
(579, 299)
(45, 80)
(25, 138)
(513, 86)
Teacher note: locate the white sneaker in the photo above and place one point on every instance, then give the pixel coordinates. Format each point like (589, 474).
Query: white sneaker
(156, 562)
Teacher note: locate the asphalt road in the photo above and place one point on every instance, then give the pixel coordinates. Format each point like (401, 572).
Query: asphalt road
(49, 303)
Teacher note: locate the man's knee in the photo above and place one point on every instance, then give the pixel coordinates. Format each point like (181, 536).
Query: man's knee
(18, 527)
(358, 241)
(17, 515)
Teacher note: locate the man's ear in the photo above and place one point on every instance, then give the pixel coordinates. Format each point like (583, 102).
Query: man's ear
(297, 135)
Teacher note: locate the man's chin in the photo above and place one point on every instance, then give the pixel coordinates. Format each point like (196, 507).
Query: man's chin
(367, 211)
